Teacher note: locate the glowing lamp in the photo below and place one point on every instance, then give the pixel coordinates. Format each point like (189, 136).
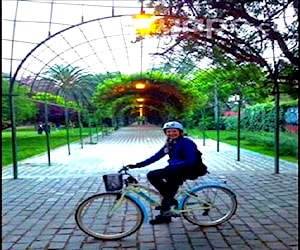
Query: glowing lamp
(141, 111)
(140, 99)
(144, 24)
(140, 85)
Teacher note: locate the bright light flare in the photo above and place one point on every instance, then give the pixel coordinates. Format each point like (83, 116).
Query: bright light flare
(140, 99)
(144, 24)
(140, 85)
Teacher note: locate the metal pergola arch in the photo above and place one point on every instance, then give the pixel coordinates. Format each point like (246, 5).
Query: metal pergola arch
(68, 29)
(38, 74)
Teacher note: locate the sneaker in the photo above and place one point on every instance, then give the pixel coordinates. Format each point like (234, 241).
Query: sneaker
(159, 219)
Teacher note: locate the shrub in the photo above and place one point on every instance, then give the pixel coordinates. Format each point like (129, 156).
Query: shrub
(230, 122)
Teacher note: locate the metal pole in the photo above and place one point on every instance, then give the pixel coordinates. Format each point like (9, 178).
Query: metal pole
(277, 95)
(277, 128)
(217, 116)
(112, 8)
(80, 129)
(96, 124)
(67, 129)
(13, 136)
(47, 132)
(218, 134)
(239, 128)
(11, 102)
(90, 128)
(204, 126)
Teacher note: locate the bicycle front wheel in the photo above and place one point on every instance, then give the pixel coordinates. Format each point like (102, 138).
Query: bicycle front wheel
(109, 216)
(209, 205)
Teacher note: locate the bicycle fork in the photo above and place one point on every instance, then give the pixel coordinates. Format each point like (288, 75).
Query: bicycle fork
(116, 204)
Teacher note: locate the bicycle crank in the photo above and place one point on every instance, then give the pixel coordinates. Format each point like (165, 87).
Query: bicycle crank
(170, 213)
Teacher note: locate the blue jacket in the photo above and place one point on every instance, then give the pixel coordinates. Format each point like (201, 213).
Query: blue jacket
(182, 153)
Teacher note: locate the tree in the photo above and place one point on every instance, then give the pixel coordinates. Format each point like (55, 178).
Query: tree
(56, 108)
(243, 30)
(25, 108)
(229, 80)
(164, 95)
(71, 83)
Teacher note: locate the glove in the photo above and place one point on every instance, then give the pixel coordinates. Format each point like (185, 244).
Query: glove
(132, 166)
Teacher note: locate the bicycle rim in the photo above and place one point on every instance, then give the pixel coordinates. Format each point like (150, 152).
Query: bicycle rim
(105, 216)
(209, 206)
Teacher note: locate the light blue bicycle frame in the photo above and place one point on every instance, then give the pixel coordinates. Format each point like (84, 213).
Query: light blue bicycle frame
(138, 189)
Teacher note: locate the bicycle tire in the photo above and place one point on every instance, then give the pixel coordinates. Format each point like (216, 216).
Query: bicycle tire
(209, 205)
(98, 217)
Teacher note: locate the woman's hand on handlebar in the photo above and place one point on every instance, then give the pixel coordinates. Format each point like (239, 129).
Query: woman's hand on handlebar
(131, 166)
(127, 167)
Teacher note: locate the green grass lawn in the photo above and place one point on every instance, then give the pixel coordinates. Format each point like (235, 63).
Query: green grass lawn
(260, 142)
(30, 143)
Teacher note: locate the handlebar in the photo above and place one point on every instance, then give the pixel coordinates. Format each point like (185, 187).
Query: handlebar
(130, 178)
(124, 169)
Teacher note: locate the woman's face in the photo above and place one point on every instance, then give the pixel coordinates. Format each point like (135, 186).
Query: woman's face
(173, 133)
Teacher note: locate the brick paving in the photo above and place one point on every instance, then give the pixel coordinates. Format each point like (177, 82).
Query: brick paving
(38, 207)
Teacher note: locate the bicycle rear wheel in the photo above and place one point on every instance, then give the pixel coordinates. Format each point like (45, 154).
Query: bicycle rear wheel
(209, 205)
(107, 216)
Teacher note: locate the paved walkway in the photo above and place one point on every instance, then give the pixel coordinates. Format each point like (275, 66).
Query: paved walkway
(38, 207)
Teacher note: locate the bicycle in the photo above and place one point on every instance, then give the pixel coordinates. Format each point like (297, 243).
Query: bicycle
(119, 212)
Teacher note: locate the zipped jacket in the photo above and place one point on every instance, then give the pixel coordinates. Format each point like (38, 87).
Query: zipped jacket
(182, 152)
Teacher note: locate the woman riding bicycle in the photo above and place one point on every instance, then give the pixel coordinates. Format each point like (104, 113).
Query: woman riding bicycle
(184, 163)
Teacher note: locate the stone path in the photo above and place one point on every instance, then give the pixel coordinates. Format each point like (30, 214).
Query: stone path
(38, 207)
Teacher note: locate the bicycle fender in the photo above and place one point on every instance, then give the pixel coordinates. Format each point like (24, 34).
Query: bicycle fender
(212, 184)
(144, 210)
(197, 188)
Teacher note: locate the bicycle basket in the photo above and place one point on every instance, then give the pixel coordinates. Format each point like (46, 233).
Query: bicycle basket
(113, 182)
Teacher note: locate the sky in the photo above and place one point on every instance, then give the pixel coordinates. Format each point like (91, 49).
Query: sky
(35, 22)
(110, 44)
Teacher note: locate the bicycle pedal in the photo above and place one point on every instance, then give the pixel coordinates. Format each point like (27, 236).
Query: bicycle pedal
(205, 213)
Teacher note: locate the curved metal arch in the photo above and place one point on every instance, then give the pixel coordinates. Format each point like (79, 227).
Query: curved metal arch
(77, 45)
(13, 79)
(37, 75)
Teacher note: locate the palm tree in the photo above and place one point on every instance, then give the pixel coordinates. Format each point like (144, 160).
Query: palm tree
(71, 83)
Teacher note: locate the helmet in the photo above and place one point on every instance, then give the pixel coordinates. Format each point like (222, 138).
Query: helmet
(173, 124)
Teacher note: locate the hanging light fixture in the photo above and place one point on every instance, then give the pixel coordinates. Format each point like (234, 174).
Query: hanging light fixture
(140, 85)
(145, 24)
(140, 99)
